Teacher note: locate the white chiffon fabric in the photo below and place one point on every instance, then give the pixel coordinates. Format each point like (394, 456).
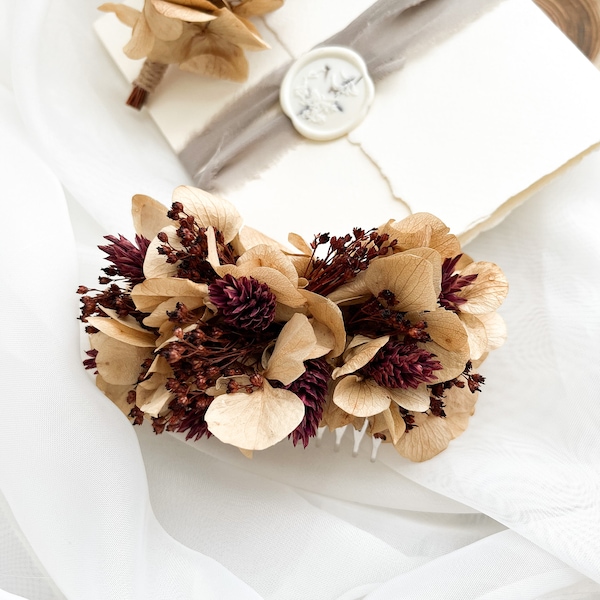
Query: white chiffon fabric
(92, 508)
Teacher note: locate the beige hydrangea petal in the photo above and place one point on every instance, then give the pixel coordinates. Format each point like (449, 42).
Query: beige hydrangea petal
(477, 334)
(358, 356)
(300, 244)
(176, 13)
(152, 397)
(445, 329)
(395, 423)
(126, 14)
(356, 289)
(141, 42)
(127, 321)
(151, 293)
(200, 5)
(329, 314)
(264, 255)
(251, 8)
(360, 397)
(495, 328)
(487, 292)
(215, 57)
(163, 27)
(255, 421)
(453, 362)
(123, 333)
(411, 399)
(325, 340)
(159, 315)
(156, 265)
(434, 257)
(208, 210)
(293, 346)
(248, 237)
(459, 407)
(333, 416)
(149, 216)
(428, 438)
(234, 30)
(408, 277)
(118, 363)
(116, 393)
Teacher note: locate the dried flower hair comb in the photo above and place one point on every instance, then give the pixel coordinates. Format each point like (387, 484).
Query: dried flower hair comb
(210, 328)
(200, 36)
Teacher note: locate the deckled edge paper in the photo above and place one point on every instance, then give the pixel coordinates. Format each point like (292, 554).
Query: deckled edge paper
(467, 130)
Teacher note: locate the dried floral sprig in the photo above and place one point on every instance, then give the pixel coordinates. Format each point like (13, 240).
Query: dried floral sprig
(200, 36)
(206, 328)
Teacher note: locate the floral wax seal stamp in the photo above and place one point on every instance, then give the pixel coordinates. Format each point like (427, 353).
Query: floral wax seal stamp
(327, 93)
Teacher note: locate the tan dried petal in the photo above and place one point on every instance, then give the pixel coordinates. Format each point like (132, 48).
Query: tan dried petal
(360, 355)
(255, 421)
(235, 31)
(123, 333)
(167, 29)
(408, 277)
(487, 292)
(152, 292)
(325, 340)
(251, 8)
(149, 216)
(263, 255)
(127, 321)
(159, 315)
(395, 424)
(478, 339)
(411, 399)
(334, 417)
(116, 393)
(329, 314)
(217, 59)
(152, 397)
(355, 290)
(141, 42)
(300, 244)
(434, 257)
(428, 438)
(445, 328)
(118, 363)
(208, 210)
(459, 407)
(360, 397)
(247, 453)
(294, 344)
(495, 329)
(126, 14)
(177, 13)
(453, 362)
(248, 237)
(156, 265)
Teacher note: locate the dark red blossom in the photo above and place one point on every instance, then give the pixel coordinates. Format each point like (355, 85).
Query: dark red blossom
(452, 284)
(244, 302)
(90, 363)
(127, 258)
(400, 365)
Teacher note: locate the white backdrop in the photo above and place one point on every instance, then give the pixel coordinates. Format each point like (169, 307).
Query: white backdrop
(91, 508)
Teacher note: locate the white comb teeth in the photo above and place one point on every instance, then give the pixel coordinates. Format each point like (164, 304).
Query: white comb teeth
(358, 438)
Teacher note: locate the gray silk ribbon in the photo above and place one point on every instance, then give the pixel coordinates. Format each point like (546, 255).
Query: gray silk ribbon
(384, 35)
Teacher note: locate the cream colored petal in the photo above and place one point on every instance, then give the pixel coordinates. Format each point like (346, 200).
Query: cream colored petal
(360, 397)
(428, 438)
(250, 8)
(141, 42)
(459, 406)
(127, 321)
(156, 265)
(408, 277)
(255, 421)
(329, 314)
(264, 255)
(160, 365)
(334, 417)
(294, 345)
(209, 210)
(229, 64)
(478, 339)
(248, 237)
(354, 289)
(284, 313)
(166, 331)
(152, 292)
(118, 363)
(395, 424)
(126, 14)
(234, 30)
(411, 399)
(434, 257)
(325, 340)
(300, 244)
(359, 356)
(116, 393)
(152, 397)
(177, 13)
(453, 363)
(163, 27)
(495, 328)
(444, 328)
(122, 333)
(487, 292)
(149, 216)
(200, 5)
(159, 315)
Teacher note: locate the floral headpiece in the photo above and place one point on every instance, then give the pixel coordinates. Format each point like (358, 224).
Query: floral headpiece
(201, 36)
(208, 328)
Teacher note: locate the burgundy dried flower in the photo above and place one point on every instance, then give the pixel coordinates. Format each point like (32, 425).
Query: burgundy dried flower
(245, 302)
(399, 365)
(126, 257)
(452, 284)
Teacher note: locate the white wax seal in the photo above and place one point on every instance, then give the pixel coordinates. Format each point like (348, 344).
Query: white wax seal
(327, 92)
